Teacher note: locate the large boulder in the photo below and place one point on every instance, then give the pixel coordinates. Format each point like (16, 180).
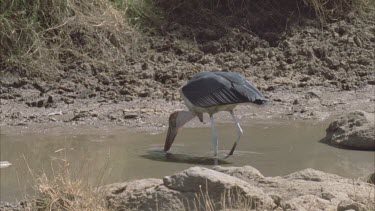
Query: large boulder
(355, 130)
(144, 194)
(218, 187)
(312, 175)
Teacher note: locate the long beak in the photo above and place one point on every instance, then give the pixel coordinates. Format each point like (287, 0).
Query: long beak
(171, 135)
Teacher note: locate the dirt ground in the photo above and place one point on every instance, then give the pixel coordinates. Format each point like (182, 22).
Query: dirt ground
(307, 71)
(316, 104)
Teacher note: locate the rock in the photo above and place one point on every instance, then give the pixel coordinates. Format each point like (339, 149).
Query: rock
(103, 78)
(116, 115)
(351, 205)
(215, 184)
(245, 173)
(312, 175)
(6, 96)
(41, 102)
(371, 178)
(80, 115)
(145, 194)
(304, 203)
(276, 198)
(353, 131)
(313, 94)
(68, 87)
(42, 86)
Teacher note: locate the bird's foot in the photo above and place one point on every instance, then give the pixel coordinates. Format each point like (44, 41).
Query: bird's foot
(230, 154)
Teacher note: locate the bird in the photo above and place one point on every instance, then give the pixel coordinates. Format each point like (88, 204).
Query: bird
(212, 92)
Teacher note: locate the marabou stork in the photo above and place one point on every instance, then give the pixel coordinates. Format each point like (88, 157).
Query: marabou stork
(211, 92)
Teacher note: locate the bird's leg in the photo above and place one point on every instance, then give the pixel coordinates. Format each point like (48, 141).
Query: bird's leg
(239, 133)
(214, 138)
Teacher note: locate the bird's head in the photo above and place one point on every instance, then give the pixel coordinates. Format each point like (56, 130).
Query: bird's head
(172, 131)
(176, 120)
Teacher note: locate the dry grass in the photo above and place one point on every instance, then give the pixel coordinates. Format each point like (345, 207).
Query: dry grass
(229, 200)
(62, 191)
(42, 37)
(335, 9)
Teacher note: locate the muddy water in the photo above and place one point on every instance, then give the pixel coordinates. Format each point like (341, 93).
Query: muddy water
(102, 156)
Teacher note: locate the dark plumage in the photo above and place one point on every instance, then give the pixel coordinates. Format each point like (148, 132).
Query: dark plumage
(207, 89)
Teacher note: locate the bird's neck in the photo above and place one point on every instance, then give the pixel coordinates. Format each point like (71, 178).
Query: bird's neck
(183, 117)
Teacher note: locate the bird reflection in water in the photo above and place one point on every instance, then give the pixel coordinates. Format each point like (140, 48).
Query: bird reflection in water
(159, 155)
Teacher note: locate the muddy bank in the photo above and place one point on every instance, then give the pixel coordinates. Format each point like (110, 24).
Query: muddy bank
(317, 103)
(336, 59)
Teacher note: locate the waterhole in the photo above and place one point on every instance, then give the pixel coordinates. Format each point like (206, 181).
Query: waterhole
(103, 156)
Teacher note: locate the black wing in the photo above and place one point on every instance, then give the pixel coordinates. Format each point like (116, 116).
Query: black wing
(208, 89)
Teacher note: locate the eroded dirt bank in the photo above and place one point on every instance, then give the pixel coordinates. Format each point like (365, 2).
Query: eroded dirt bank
(307, 70)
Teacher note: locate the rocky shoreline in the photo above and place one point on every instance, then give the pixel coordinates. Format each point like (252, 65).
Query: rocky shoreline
(236, 188)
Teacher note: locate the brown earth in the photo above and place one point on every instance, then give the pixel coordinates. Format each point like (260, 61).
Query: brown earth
(337, 58)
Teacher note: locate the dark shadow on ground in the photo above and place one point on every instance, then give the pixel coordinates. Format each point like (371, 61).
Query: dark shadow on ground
(159, 155)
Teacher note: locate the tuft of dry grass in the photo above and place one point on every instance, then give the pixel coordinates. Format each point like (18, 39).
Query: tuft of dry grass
(334, 9)
(62, 191)
(229, 200)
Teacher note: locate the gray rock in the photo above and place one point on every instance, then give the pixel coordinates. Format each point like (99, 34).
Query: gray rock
(351, 205)
(215, 184)
(312, 175)
(245, 173)
(308, 202)
(371, 178)
(145, 194)
(353, 131)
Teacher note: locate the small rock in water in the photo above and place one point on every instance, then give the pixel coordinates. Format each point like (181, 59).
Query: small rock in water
(4, 164)
(371, 178)
(352, 131)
